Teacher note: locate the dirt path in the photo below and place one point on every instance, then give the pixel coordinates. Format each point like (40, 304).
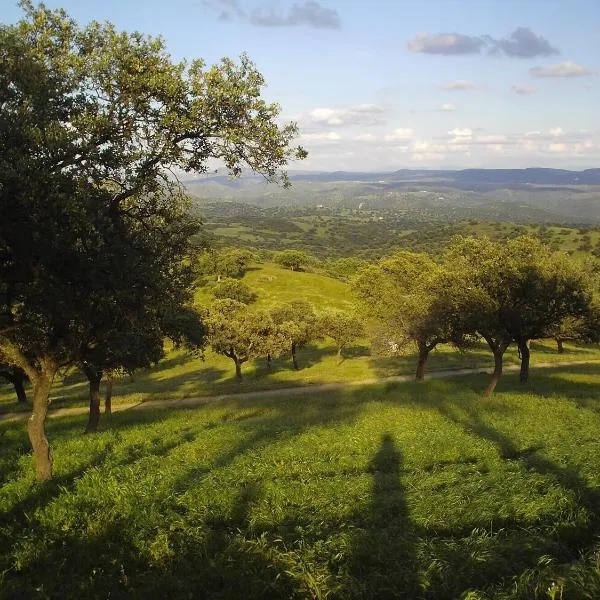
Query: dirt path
(292, 391)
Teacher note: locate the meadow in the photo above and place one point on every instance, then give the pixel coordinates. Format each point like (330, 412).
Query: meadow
(389, 491)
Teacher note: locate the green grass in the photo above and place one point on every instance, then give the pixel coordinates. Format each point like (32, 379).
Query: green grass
(391, 491)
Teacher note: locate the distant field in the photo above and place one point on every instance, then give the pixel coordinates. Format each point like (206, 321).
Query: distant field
(420, 491)
(182, 375)
(371, 233)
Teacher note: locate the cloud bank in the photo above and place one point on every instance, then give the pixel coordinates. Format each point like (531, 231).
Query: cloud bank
(521, 43)
(564, 69)
(308, 13)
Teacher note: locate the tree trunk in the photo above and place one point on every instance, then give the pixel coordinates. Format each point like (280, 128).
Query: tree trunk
(559, 345)
(35, 428)
(108, 396)
(238, 370)
(525, 354)
(294, 361)
(498, 355)
(340, 358)
(423, 356)
(19, 385)
(94, 377)
(269, 362)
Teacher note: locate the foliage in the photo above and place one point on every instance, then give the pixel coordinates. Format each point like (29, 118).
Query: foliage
(298, 323)
(343, 328)
(93, 123)
(233, 289)
(416, 303)
(241, 334)
(293, 260)
(525, 288)
(229, 262)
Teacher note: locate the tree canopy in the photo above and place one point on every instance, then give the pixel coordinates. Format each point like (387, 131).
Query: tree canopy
(93, 224)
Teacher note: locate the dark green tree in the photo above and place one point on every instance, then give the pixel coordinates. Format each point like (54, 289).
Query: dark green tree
(342, 327)
(293, 260)
(93, 124)
(18, 378)
(242, 334)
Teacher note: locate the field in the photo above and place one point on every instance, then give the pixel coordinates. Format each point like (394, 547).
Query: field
(182, 375)
(395, 491)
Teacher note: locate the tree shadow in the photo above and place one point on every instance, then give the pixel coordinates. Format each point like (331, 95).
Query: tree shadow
(580, 534)
(383, 562)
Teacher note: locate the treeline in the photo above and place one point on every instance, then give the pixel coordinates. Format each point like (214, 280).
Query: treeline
(504, 293)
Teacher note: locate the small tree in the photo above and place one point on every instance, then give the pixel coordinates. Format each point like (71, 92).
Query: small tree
(569, 329)
(293, 260)
(233, 289)
(232, 263)
(241, 334)
(341, 327)
(416, 303)
(298, 324)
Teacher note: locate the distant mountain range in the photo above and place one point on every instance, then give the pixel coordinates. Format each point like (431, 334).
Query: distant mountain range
(506, 178)
(529, 195)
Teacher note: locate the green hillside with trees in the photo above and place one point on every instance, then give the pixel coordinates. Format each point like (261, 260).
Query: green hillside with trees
(225, 400)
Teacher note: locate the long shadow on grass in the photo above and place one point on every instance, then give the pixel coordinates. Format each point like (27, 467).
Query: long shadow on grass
(382, 563)
(581, 533)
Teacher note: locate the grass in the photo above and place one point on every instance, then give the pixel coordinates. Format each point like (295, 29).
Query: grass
(420, 491)
(182, 375)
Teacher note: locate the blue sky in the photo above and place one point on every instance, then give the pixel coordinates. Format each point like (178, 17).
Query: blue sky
(387, 84)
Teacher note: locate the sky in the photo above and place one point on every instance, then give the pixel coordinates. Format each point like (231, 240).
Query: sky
(391, 84)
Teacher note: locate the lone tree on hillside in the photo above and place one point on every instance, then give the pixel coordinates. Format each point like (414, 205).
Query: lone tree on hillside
(293, 260)
(93, 124)
(241, 334)
(233, 289)
(343, 328)
(298, 323)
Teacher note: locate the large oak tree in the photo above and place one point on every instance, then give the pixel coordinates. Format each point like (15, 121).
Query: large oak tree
(93, 125)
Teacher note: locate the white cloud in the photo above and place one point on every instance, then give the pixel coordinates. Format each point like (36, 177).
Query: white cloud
(399, 135)
(460, 147)
(523, 90)
(558, 147)
(458, 86)
(564, 69)
(324, 136)
(447, 107)
(460, 133)
(361, 114)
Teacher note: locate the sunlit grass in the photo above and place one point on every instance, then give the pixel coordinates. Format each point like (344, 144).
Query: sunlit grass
(398, 490)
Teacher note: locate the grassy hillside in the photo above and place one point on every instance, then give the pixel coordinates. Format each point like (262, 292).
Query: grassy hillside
(400, 491)
(182, 375)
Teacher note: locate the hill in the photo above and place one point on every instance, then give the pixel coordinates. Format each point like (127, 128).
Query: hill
(526, 195)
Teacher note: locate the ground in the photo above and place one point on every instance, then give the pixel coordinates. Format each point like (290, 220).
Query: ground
(398, 491)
